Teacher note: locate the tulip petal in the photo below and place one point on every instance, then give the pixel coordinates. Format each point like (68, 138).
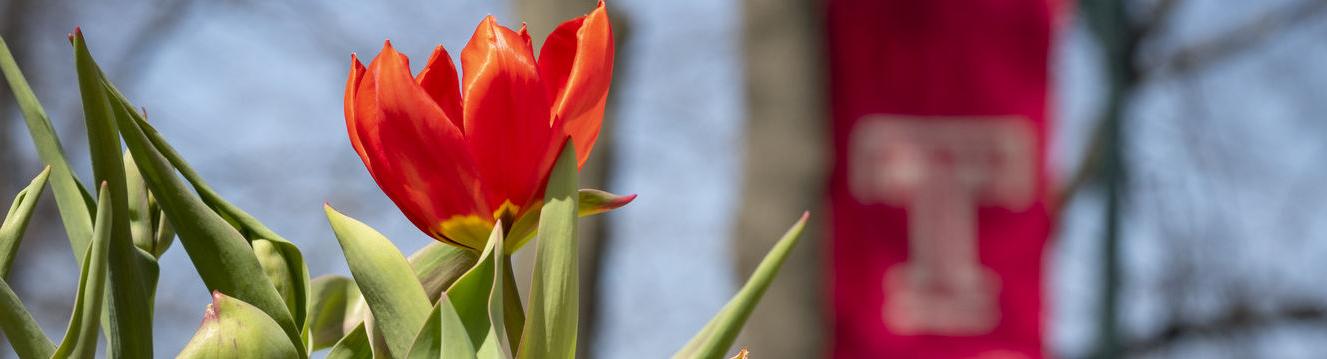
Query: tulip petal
(352, 85)
(576, 64)
(439, 80)
(417, 156)
(506, 115)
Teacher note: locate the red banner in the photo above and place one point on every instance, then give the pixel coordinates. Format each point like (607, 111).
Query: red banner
(939, 189)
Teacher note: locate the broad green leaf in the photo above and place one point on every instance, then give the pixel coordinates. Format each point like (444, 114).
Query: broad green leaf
(443, 335)
(592, 201)
(222, 256)
(16, 220)
(20, 329)
(278, 271)
(477, 297)
(385, 278)
(354, 346)
(249, 226)
(71, 198)
(550, 328)
(131, 287)
(80, 340)
(234, 329)
(331, 300)
(717, 336)
(438, 265)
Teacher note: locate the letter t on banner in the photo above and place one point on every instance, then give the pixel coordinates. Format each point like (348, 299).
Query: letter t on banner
(938, 194)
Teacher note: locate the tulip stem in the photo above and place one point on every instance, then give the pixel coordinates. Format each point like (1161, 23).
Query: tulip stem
(513, 314)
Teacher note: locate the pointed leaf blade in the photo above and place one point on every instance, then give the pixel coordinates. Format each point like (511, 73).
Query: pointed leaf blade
(16, 220)
(221, 255)
(592, 201)
(354, 346)
(386, 280)
(71, 198)
(80, 340)
(551, 327)
(718, 335)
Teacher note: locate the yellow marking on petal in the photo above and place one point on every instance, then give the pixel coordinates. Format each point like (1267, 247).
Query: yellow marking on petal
(469, 231)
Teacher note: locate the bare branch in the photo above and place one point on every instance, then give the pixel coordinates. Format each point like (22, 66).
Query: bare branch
(1235, 41)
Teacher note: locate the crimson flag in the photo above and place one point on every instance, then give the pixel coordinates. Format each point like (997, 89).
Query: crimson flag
(939, 188)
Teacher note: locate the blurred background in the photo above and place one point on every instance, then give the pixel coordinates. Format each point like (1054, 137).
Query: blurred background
(1183, 151)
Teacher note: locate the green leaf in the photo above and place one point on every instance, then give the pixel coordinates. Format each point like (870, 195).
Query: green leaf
(24, 334)
(140, 212)
(277, 270)
(164, 234)
(80, 340)
(438, 265)
(131, 287)
(717, 336)
(443, 335)
(71, 198)
(234, 329)
(16, 220)
(250, 226)
(550, 330)
(593, 201)
(394, 296)
(331, 301)
(354, 346)
(477, 297)
(222, 256)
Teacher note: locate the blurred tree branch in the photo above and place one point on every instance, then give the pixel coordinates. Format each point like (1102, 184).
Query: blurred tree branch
(1240, 319)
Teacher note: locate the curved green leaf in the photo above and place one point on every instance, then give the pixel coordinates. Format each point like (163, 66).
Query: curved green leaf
(385, 278)
(443, 335)
(71, 198)
(592, 201)
(234, 329)
(80, 340)
(354, 346)
(222, 256)
(550, 329)
(16, 220)
(131, 283)
(22, 331)
(331, 300)
(477, 297)
(250, 226)
(717, 336)
(438, 265)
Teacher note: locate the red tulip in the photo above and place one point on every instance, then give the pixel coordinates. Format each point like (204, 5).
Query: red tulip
(457, 155)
